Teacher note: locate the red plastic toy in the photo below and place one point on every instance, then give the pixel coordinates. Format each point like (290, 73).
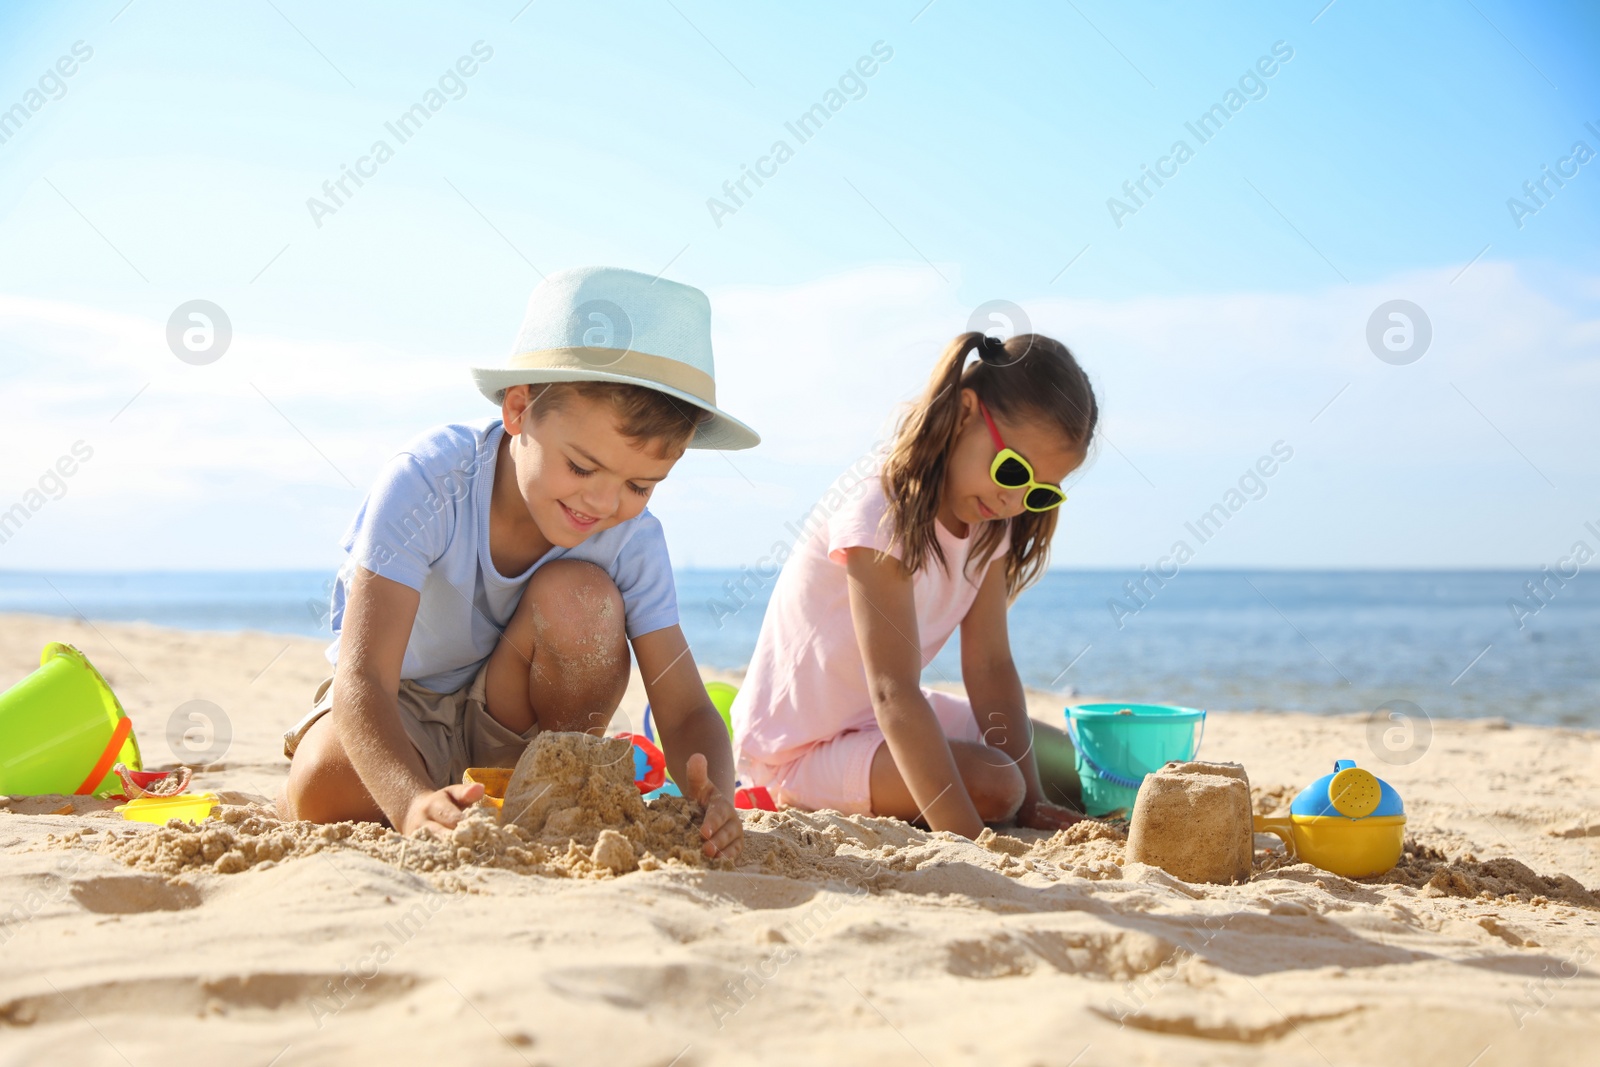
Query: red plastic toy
(649, 762)
(753, 796)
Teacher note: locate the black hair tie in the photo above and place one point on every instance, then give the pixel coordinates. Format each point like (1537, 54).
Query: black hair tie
(991, 348)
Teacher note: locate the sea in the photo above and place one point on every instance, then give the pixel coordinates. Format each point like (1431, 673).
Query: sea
(1522, 646)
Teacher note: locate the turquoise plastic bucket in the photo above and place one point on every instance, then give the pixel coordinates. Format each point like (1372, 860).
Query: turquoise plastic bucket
(1118, 744)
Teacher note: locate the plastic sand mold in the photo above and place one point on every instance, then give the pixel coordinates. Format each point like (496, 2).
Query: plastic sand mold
(649, 762)
(494, 781)
(136, 784)
(189, 807)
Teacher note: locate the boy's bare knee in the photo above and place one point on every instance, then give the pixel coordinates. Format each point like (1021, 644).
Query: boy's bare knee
(998, 792)
(574, 605)
(578, 671)
(576, 611)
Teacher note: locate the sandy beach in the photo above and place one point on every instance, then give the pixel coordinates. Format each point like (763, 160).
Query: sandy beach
(833, 940)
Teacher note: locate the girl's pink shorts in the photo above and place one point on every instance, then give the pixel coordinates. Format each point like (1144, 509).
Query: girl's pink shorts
(837, 773)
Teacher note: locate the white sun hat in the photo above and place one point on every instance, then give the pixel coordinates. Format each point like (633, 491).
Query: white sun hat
(606, 324)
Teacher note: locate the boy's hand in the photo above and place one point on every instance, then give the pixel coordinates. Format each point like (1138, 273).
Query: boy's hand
(722, 830)
(439, 811)
(1043, 815)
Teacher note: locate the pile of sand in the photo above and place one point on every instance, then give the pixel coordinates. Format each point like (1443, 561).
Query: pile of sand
(577, 791)
(572, 811)
(1428, 868)
(582, 842)
(1426, 864)
(873, 854)
(239, 839)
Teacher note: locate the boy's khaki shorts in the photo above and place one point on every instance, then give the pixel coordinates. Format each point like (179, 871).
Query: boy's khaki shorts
(451, 731)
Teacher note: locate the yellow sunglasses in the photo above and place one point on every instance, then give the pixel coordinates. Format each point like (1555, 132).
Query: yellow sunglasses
(1010, 471)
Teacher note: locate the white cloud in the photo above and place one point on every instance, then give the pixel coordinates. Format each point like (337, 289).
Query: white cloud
(1193, 389)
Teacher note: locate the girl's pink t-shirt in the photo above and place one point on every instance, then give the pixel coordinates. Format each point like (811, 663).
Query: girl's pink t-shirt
(807, 682)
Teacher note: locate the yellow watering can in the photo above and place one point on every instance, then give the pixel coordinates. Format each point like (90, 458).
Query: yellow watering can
(1349, 822)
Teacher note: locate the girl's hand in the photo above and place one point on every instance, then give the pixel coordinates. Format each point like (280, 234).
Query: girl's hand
(1043, 815)
(722, 830)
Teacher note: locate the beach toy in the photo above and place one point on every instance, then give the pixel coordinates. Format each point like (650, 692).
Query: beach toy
(187, 807)
(1349, 822)
(1118, 744)
(62, 729)
(1193, 821)
(721, 694)
(136, 784)
(649, 762)
(494, 781)
(748, 797)
(753, 797)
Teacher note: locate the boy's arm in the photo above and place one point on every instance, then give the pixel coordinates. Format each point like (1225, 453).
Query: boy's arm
(372, 646)
(885, 616)
(692, 734)
(998, 702)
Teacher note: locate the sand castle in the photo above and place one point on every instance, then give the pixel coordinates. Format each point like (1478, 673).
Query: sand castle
(579, 788)
(1193, 820)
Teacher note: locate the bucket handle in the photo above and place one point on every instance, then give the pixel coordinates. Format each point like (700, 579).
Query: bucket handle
(102, 766)
(1100, 772)
(1117, 779)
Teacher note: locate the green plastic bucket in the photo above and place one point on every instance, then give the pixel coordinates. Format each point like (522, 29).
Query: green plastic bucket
(722, 694)
(62, 729)
(1118, 744)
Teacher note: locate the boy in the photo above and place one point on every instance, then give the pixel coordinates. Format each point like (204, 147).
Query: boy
(499, 569)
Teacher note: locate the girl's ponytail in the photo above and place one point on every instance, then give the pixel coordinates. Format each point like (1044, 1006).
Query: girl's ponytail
(913, 474)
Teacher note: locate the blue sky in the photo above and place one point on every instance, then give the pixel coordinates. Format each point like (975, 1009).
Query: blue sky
(1227, 313)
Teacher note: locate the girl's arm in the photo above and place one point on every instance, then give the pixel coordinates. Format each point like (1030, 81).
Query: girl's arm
(998, 703)
(885, 617)
(693, 735)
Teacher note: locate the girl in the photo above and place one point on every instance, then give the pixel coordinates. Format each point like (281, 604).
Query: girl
(956, 524)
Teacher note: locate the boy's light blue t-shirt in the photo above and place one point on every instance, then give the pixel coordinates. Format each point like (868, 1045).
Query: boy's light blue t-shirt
(425, 524)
